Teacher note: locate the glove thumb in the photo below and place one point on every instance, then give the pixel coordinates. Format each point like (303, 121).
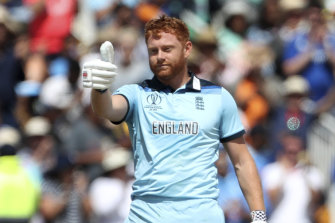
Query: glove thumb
(107, 52)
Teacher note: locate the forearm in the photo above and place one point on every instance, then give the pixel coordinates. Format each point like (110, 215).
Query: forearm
(51, 207)
(246, 173)
(113, 108)
(250, 184)
(296, 64)
(101, 103)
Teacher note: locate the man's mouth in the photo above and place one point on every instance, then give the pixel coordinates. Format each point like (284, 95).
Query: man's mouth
(163, 66)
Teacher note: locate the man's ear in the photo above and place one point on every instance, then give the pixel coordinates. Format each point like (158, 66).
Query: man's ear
(187, 49)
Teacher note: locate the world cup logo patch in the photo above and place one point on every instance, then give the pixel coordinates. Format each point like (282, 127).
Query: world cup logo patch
(154, 99)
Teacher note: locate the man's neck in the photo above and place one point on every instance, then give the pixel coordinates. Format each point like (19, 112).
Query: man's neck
(177, 81)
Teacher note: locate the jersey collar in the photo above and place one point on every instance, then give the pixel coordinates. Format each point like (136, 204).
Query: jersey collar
(192, 85)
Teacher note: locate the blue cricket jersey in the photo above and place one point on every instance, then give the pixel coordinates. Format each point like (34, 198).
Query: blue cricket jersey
(176, 134)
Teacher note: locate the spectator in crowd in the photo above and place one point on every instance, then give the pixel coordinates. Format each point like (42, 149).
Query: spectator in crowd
(124, 16)
(19, 194)
(37, 151)
(265, 34)
(64, 195)
(10, 69)
(205, 58)
(292, 183)
(50, 24)
(232, 23)
(293, 21)
(258, 144)
(293, 113)
(264, 31)
(311, 54)
(251, 99)
(57, 103)
(130, 46)
(28, 90)
(110, 193)
(86, 141)
(103, 11)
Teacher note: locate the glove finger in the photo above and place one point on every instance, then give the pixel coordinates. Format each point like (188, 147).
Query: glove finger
(100, 86)
(100, 64)
(100, 80)
(88, 84)
(103, 73)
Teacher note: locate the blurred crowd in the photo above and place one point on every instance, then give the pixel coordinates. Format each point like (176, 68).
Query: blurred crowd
(60, 163)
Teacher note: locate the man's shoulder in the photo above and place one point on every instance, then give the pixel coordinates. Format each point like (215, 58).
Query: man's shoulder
(206, 83)
(209, 87)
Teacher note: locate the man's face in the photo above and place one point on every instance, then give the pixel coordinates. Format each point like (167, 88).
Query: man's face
(167, 56)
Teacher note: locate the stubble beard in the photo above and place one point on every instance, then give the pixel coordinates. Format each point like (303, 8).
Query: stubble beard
(170, 72)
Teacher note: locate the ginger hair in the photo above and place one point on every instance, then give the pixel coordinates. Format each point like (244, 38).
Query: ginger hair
(166, 24)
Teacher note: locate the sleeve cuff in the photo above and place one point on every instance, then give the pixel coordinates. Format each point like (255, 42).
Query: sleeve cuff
(234, 136)
(124, 118)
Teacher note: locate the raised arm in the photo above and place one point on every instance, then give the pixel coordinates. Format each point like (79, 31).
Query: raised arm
(99, 75)
(113, 108)
(296, 64)
(248, 177)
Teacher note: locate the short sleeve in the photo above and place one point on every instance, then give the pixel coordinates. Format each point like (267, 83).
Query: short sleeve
(272, 176)
(130, 92)
(231, 124)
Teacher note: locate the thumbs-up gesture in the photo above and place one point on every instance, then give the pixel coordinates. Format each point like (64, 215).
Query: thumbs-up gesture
(99, 74)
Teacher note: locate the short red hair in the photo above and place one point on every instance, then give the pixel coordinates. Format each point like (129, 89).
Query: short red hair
(168, 25)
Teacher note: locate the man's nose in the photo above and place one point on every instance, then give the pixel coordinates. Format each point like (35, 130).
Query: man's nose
(160, 55)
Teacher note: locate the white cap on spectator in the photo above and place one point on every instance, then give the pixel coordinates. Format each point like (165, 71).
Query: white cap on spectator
(296, 84)
(56, 92)
(239, 7)
(116, 158)
(288, 5)
(37, 126)
(9, 136)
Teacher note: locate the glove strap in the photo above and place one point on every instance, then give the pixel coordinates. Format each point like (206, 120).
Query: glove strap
(101, 91)
(258, 216)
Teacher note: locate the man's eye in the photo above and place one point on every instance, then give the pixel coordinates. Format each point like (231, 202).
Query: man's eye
(153, 51)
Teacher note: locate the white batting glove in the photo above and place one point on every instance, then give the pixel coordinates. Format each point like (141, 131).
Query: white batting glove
(99, 74)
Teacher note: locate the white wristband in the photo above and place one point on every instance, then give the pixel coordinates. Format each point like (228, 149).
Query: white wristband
(258, 216)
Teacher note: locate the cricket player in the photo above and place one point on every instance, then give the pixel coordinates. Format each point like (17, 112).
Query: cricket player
(176, 122)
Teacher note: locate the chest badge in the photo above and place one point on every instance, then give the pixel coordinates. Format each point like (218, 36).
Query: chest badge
(199, 103)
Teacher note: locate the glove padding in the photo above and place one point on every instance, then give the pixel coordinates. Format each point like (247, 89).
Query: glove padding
(99, 74)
